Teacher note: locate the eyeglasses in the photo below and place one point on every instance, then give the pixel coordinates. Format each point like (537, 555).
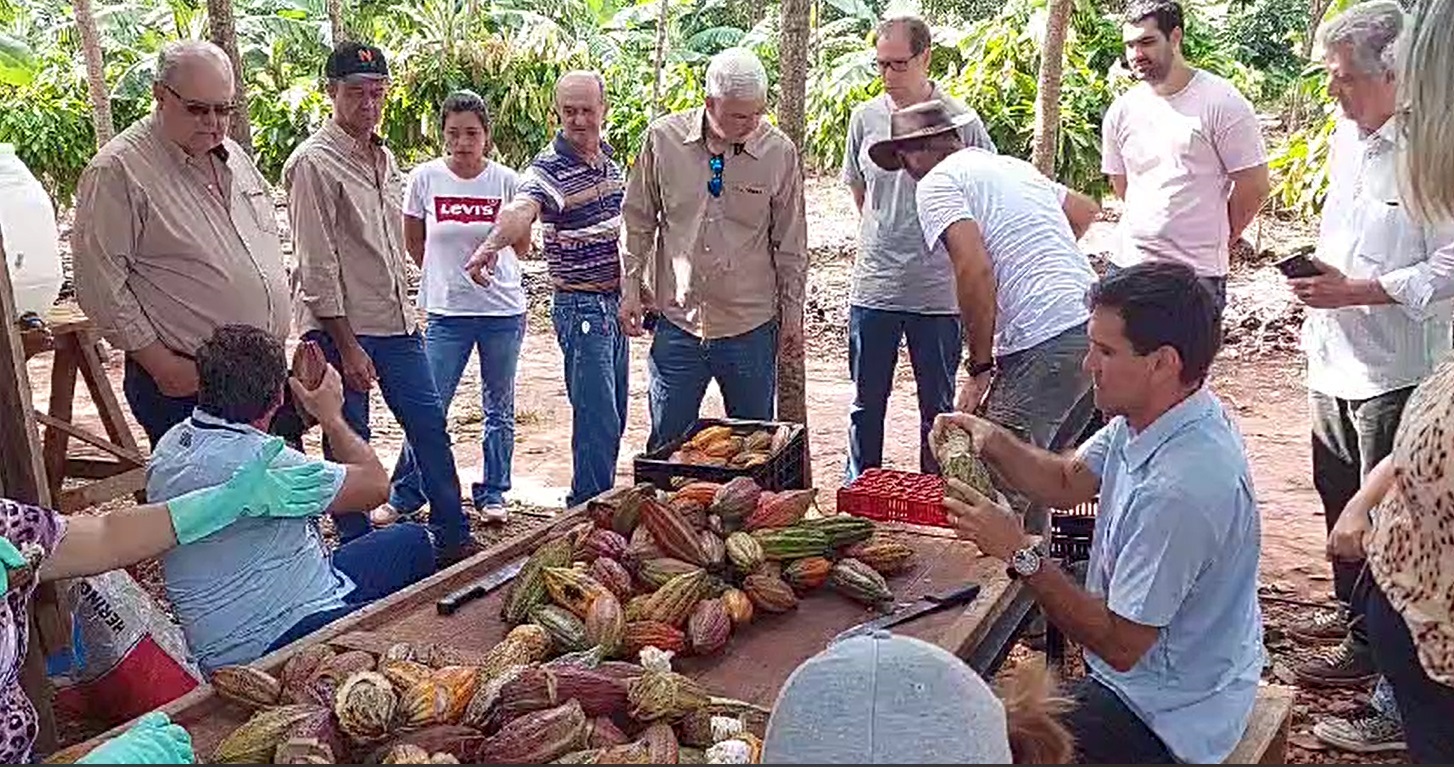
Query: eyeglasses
(201, 108)
(714, 185)
(897, 65)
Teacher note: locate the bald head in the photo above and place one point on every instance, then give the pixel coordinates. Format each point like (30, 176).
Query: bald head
(580, 102)
(195, 94)
(178, 58)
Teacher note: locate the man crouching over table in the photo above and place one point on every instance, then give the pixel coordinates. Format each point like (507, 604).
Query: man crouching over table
(1168, 616)
(263, 583)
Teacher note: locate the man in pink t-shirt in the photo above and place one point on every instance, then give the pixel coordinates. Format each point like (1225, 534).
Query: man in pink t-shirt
(1183, 149)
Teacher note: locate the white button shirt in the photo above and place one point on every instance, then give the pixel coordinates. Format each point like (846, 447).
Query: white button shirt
(1360, 352)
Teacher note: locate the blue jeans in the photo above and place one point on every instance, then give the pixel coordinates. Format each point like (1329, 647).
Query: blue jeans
(408, 390)
(596, 359)
(935, 345)
(448, 342)
(380, 564)
(745, 367)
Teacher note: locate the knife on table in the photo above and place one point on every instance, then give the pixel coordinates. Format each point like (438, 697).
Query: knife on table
(479, 588)
(929, 604)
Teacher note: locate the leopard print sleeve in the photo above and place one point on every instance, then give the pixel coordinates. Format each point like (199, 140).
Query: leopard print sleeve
(22, 525)
(1413, 530)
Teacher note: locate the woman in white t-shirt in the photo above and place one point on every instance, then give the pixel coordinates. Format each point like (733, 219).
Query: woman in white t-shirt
(450, 206)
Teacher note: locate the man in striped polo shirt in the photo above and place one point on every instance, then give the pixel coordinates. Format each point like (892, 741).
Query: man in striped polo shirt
(575, 188)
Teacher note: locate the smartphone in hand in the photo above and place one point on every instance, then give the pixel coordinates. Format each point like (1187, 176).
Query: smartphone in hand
(1299, 265)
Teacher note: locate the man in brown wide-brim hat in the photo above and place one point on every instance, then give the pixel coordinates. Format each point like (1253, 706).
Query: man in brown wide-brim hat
(1019, 277)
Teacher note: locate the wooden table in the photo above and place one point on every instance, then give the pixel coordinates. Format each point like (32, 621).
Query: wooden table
(752, 668)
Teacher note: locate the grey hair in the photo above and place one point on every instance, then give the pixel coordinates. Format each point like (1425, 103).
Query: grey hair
(1426, 91)
(736, 73)
(1369, 30)
(177, 54)
(592, 74)
(918, 31)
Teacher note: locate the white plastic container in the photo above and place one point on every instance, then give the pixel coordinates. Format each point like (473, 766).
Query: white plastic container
(28, 223)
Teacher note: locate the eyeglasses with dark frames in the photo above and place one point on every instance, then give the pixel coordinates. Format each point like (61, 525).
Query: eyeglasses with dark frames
(897, 65)
(714, 185)
(201, 108)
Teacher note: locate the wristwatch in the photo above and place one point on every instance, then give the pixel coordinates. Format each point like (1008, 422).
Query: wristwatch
(1026, 562)
(976, 369)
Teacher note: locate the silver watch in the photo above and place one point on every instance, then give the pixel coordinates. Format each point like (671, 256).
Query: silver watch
(1026, 561)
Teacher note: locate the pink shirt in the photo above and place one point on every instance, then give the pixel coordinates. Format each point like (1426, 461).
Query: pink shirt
(1177, 153)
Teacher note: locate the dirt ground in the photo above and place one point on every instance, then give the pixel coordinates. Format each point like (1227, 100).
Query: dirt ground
(1261, 382)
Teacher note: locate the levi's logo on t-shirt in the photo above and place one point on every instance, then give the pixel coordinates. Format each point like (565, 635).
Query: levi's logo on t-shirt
(466, 210)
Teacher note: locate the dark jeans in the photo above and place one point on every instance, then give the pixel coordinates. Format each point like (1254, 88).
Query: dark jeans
(1216, 285)
(408, 389)
(1425, 706)
(596, 360)
(935, 345)
(681, 366)
(1037, 394)
(1349, 438)
(1106, 731)
(448, 342)
(157, 412)
(380, 564)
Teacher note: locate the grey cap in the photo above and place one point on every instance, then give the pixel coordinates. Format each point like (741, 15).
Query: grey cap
(886, 699)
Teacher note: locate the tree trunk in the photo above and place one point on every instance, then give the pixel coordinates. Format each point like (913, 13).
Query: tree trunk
(1047, 101)
(663, 19)
(336, 30)
(95, 72)
(223, 31)
(792, 405)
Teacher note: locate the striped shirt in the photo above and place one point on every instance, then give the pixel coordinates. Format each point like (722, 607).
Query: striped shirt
(580, 215)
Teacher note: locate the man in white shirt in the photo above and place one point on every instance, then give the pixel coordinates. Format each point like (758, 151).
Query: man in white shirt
(1019, 278)
(1378, 317)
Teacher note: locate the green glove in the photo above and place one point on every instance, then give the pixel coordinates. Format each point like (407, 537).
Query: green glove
(254, 491)
(153, 740)
(10, 558)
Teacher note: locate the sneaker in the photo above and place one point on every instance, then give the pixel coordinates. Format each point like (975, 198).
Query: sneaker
(1366, 731)
(1343, 665)
(384, 515)
(493, 513)
(1324, 629)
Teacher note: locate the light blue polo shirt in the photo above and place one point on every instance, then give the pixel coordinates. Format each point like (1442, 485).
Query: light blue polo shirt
(238, 591)
(1176, 547)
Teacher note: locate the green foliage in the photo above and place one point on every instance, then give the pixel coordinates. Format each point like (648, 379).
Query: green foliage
(1300, 167)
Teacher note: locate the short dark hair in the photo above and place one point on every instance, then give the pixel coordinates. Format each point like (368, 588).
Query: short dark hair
(241, 371)
(1163, 304)
(464, 100)
(920, 36)
(1167, 14)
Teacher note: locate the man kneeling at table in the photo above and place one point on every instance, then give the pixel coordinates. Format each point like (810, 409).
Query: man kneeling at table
(265, 582)
(1168, 616)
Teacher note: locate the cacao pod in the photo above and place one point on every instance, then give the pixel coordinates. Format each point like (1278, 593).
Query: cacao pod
(958, 460)
(743, 551)
(631, 754)
(406, 755)
(317, 735)
(539, 688)
(424, 703)
(695, 729)
(604, 733)
(700, 492)
(855, 579)
(523, 645)
(340, 666)
(404, 674)
(708, 626)
(713, 547)
(538, 737)
(671, 532)
(366, 706)
(842, 530)
(300, 667)
(628, 514)
(298, 751)
(769, 593)
(620, 669)
(664, 694)
(692, 757)
(589, 757)
(460, 682)
(485, 704)
(673, 602)
(693, 512)
(780, 510)
(714, 525)
(658, 571)
(734, 501)
(452, 739)
(400, 651)
(255, 742)
(792, 542)
(772, 569)
(605, 623)
(604, 543)
(443, 759)
(247, 686)
(642, 634)
(661, 743)
(613, 576)
(527, 590)
(642, 548)
(567, 632)
(738, 607)
(806, 574)
(883, 555)
(572, 589)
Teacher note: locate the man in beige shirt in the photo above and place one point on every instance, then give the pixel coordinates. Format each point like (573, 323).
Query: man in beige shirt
(175, 236)
(715, 229)
(345, 201)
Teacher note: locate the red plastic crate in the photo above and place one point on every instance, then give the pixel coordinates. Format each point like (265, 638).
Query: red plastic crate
(894, 495)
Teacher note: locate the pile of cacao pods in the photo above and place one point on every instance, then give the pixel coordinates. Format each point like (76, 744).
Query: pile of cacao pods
(720, 446)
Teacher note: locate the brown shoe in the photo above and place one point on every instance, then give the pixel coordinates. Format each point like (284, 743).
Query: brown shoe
(1324, 629)
(1343, 665)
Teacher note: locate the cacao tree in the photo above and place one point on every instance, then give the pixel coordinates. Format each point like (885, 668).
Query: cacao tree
(222, 28)
(96, 91)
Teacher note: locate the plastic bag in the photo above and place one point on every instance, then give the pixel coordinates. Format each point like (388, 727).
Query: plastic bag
(126, 657)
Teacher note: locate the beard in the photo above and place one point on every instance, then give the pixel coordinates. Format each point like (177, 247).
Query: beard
(1153, 71)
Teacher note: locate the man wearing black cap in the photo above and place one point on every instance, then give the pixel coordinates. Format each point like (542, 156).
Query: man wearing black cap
(345, 199)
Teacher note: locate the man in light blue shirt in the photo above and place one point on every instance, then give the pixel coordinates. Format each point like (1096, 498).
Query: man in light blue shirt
(1168, 616)
(262, 583)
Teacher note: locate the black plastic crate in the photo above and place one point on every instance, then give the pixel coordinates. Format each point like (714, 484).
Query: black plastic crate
(1071, 530)
(784, 470)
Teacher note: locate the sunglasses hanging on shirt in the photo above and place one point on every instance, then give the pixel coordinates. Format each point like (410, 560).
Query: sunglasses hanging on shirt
(714, 184)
